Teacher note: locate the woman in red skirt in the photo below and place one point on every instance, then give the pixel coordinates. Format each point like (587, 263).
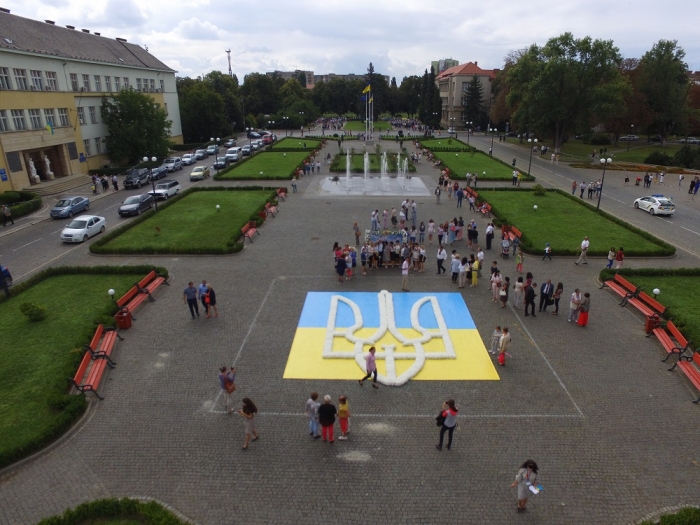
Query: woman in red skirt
(583, 309)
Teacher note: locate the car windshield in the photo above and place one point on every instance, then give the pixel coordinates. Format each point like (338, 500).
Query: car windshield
(221, 159)
(62, 203)
(132, 200)
(200, 151)
(77, 225)
(665, 202)
(162, 187)
(169, 161)
(197, 169)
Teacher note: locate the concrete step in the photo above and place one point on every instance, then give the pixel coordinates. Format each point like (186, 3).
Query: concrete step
(62, 185)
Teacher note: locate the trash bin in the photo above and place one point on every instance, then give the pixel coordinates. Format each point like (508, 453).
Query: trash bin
(652, 322)
(123, 318)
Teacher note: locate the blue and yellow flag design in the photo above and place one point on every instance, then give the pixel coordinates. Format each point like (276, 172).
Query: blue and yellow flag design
(366, 90)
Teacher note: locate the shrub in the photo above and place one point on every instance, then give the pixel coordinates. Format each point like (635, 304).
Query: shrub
(686, 156)
(600, 139)
(103, 510)
(33, 312)
(660, 158)
(539, 190)
(21, 202)
(108, 171)
(9, 197)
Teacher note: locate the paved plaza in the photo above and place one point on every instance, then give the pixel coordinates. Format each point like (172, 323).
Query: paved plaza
(611, 429)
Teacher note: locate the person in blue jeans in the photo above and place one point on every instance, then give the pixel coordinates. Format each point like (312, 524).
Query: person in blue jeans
(202, 290)
(449, 413)
(312, 413)
(190, 297)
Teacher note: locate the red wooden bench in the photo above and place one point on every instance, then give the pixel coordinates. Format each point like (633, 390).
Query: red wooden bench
(282, 194)
(621, 286)
(103, 350)
(645, 304)
(666, 336)
(689, 365)
(510, 233)
(250, 229)
(470, 192)
(95, 361)
(485, 209)
(140, 292)
(270, 209)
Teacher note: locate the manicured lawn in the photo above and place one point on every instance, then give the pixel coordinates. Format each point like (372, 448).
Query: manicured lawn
(297, 143)
(267, 165)
(37, 358)
(192, 224)
(445, 142)
(359, 125)
(564, 223)
(463, 162)
(680, 294)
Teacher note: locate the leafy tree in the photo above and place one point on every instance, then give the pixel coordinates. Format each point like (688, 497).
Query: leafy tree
(136, 126)
(472, 101)
(635, 115)
(663, 80)
(227, 87)
(300, 77)
(291, 92)
(555, 88)
(259, 93)
(410, 94)
(202, 111)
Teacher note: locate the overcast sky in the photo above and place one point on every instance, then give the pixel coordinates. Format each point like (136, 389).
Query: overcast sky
(400, 37)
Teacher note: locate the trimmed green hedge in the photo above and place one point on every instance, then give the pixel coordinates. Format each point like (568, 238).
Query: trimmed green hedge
(21, 202)
(70, 407)
(108, 171)
(101, 510)
(686, 516)
(333, 137)
(232, 246)
(187, 147)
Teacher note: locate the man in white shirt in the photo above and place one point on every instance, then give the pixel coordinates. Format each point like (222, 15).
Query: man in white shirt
(441, 256)
(404, 274)
(480, 258)
(489, 235)
(375, 220)
(583, 258)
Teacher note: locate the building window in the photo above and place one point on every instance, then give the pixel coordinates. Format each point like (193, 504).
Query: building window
(74, 82)
(51, 81)
(21, 79)
(18, 119)
(117, 83)
(93, 115)
(98, 84)
(98, 145)
(153, 85)
(81, 115)
(37, 80)
(126, 82)
(35, 118)
(108, 84)
(5, 82)
(86, 144)
(4, 124)
(162, 88)
(86, 82)
(138, 84)
(63, 119)
(50, 117)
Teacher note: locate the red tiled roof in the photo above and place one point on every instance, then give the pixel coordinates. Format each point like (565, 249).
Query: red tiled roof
(470, 68)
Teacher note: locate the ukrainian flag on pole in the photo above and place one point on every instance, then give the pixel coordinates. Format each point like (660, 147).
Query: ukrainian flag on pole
(49, 126)
(366, 90)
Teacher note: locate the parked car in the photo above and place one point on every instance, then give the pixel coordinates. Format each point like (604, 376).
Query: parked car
(166, 189)
(656, 205)
(230, 143)
(158, 172)
(188, 158)
(173, 163)
(199, 173)
(200, 154)
(254, 146)
(253, 135)
(221, 163)
(83, 227)
(137, 178)
(233, 154)
(692, 140)
(213, 149)
(69, 206)
(267, 139)
(451, 131)
(656, 138)
(135, 205)
(629, 137)
(6, 275)
(246, 150)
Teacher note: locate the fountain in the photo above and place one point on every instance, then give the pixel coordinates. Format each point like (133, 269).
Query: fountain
(366, 169)
(384, 166)
(347, 169)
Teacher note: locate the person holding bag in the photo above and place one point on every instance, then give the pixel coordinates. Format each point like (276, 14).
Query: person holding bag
(447, 421)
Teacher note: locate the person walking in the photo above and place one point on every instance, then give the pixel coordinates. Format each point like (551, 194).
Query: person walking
(526, 477)
(518, 293)
(202, 291)
(6, 215)
(115, 183)
(441, 256)
(448, 416)
(504, 346)
(105, 183)
(431, 231)
(503, 294)
(294, 184)
(496, 340)
(326, 417)
(584, 307)
(437, 192)
(404, 273)
(421, 233)
(583, 258)
(574, 305)
(556, 297)
(530, 298)
(343, 417)
(356, 229)
(385, 217)
(611, 257)
(189, 296)
(210, 299)
(496, 281)
(619, 258)
(370, 367)
(546, 292)
(227, 380)
(248, 412)
(519, 258)
(547, 252)
(489, 235)
(312, 413)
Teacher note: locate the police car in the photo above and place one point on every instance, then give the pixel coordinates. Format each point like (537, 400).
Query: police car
(656, 205)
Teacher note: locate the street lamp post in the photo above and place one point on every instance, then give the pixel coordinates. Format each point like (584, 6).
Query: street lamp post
(216, 153)
(530, 141)
(285, 125)
(492, 130)
(630, 138)
(605, 163)
(301, 114)
(468, 125)
(153, 184)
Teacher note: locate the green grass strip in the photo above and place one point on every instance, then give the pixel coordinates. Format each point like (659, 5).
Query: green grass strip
(296, 143)
(116, 512)
(267, 165)
(359, 125)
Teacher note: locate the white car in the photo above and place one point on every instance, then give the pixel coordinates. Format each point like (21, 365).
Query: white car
(656, 205)
(188, 158)
(166, 189)
(692, 140)
(83, 227)
(630, 138)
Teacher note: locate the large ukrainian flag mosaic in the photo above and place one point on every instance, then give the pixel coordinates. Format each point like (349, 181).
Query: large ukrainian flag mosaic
(421, 336)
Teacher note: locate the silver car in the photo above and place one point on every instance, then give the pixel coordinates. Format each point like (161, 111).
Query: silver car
(83, 227)
(69, 206)
(172, 163)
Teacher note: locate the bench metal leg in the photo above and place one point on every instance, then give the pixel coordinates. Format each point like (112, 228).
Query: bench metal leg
(697, 401)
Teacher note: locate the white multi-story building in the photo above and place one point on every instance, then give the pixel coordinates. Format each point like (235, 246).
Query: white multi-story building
(52, 81)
